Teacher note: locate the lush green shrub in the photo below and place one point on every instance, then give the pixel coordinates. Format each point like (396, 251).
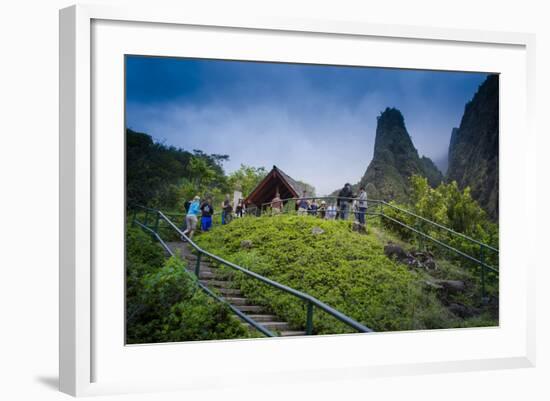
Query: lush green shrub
(165, 176)
(344, 269)
(452, 208)
(164, 302)
(143, 256)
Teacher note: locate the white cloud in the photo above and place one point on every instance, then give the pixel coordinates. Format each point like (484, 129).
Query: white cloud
(325, 149)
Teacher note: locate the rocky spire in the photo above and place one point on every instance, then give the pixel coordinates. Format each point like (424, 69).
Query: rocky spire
(395, 160)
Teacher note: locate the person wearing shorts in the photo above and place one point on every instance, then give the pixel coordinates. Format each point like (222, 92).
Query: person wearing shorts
(191, 218)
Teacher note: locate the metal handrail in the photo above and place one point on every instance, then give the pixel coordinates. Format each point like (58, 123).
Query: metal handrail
(394, 207)
(480, 262)
(310, 300)
(450, 230)
(465, 255)
(376, 201)
(207, 290)
(306, 297)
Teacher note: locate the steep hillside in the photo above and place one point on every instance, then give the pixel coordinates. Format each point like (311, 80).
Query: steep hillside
(473, 150)
(347, 270)
(395, 160)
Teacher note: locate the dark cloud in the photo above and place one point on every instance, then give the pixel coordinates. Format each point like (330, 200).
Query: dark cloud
(315, 122)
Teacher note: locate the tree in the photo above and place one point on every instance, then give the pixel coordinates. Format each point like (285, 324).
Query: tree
(165, 176)
(201, 174)
(246, 178)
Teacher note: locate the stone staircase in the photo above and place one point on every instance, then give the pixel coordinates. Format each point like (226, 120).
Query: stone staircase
(222, 285)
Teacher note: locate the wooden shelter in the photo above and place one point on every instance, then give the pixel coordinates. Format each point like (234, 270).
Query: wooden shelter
(275, 181)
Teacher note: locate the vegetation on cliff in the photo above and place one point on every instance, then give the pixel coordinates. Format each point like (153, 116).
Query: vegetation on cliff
(473, 150)
(347, 270)
(164, 303)
(395, 160)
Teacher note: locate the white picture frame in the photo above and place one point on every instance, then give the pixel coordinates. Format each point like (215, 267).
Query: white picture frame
(82, 167)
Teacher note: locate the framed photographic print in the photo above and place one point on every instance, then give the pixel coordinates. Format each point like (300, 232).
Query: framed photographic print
(273, 198)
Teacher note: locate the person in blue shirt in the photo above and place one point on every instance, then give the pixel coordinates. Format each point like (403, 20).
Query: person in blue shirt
(303, 205)
(207, 211)
(191, 218)
(313, 207)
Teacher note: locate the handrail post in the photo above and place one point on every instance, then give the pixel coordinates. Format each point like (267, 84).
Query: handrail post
(198, 265)
(482, 264)
(157, 220)
(146, 217)
(419, 237)
(309, 319)
(311, 301)
(365, 218)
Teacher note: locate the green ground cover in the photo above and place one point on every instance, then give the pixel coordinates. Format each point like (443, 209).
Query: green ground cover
(347, 270)
(164, 303)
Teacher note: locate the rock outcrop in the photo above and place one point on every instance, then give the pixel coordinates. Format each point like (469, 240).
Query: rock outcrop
(473, 149)
(395, 160)
(413, 259)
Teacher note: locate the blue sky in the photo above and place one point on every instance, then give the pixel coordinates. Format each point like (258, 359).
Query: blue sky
(317, 123)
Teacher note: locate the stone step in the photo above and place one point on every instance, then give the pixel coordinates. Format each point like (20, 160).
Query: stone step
(249, 308)
(263, 318)
(211, 283)
(206, 274)
(233, 296)
(229, 291)
(290, 333)
(237, 301)
(204, 267)
(189, 257)
(278, 326)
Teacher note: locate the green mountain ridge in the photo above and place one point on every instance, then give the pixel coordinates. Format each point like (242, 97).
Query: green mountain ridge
(395, 160)
(473, 149)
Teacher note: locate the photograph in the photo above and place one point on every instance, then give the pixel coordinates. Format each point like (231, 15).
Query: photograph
(275, 199)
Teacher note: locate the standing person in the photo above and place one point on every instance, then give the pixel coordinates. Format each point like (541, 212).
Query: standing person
(331, 212)
(207, 211)
(227, 210)
(322, 209)
(191, 218)
(313, 208)
(240, 208)
(186, 206)
(276, 204)
(303, 205)
(362, 205)
(343, 201)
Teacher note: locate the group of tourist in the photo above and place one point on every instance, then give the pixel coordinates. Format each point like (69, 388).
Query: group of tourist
(348, 201)
(205, 210)
(345, 202)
